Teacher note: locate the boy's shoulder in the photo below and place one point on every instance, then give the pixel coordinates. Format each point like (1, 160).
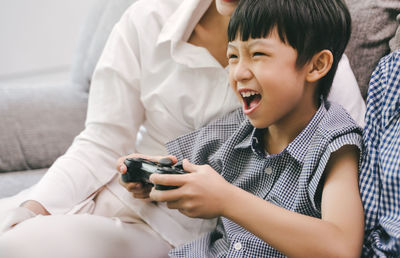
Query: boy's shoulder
(231, 119)
(224, 127)
(198, 145)
(337, 121)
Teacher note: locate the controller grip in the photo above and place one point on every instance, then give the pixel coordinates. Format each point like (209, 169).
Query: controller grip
(165, 187)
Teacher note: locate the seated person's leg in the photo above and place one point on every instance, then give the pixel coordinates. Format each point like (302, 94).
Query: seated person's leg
(81, 236)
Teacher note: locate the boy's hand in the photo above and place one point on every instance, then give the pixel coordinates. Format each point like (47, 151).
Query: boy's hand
(138, 189)
(201, 194)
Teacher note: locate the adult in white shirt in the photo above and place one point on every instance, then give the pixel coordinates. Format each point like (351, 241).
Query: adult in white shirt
(162, 74)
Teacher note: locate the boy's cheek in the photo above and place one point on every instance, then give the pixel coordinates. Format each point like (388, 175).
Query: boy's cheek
(239, 97)
(232, 81)
(233, 84)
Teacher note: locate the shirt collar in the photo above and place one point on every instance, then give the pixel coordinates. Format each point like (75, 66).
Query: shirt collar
(181, 23)
(177, 31)
(297, 148)
(247, 140)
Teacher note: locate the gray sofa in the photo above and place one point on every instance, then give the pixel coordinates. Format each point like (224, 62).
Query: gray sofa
(39, 122)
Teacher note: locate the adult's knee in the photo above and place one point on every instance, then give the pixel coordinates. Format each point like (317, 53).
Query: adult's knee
(64, 236)
(80, 236)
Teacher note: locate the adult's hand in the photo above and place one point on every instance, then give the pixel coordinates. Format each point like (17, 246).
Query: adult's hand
(13, 217)
(138, 189)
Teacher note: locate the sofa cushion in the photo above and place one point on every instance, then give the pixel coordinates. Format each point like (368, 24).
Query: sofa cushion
(374, 24)
(13, 182)
(38, 123)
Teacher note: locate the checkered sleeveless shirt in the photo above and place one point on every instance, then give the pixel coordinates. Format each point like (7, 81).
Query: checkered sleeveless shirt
(290, 179)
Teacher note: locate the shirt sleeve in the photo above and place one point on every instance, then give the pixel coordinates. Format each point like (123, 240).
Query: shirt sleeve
(315, 185)
(114, 115)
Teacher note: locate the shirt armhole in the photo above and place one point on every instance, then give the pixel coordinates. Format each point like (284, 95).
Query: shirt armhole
(317, 180)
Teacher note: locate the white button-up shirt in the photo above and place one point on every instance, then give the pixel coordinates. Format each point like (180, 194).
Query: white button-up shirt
(149, 87)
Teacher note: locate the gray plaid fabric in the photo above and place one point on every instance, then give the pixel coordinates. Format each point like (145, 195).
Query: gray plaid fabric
(380, 176)
(291, 179)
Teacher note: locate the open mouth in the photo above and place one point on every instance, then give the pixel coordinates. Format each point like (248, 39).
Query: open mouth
(251, 99)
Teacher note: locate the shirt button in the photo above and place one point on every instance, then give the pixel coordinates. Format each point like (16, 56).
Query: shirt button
(237, 246)
(268, 170)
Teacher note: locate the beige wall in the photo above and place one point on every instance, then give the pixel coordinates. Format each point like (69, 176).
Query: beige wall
(38, 38)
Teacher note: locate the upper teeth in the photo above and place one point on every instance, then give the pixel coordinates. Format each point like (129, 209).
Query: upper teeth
(246, 94)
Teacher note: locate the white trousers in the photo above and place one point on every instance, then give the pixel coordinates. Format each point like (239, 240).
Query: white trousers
(113, 230)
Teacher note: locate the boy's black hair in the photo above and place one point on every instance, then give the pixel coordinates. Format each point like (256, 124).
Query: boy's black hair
(309, 26)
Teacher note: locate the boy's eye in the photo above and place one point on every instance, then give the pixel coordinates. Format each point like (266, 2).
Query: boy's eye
(232, 56)
(232, 59)
(259, 54)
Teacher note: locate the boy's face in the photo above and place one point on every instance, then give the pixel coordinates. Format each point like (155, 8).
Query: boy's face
(264, 76)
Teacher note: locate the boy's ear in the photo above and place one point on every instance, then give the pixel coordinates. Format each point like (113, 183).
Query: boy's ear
(320, 65)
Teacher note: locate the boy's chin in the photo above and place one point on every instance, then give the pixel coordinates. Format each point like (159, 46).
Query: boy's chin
(258, 124)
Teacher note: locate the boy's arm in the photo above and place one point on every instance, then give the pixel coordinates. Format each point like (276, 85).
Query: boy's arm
(338, 233)
(205, 193)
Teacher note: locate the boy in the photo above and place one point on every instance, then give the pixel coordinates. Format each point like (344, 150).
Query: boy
(288, 161)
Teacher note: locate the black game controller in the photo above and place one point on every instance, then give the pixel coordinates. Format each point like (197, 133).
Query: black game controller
(140, 170)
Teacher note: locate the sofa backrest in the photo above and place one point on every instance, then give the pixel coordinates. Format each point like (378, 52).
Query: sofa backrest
(99, 23)
(394, 43)
(373, 26)
(40, 121)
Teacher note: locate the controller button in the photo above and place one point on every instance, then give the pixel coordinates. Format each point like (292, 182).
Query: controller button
(165, 162)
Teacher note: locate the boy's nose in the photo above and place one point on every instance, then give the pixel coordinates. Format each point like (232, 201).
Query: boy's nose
(242, 72)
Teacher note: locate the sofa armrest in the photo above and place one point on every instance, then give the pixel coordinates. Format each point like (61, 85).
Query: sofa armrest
(38, 123)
